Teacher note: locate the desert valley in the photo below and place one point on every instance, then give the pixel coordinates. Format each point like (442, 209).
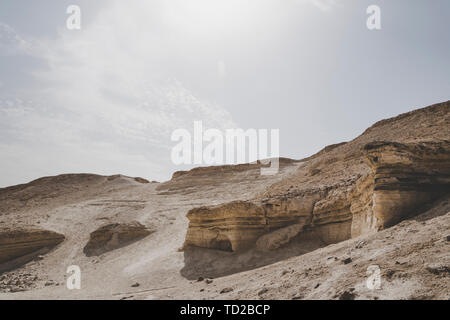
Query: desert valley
(312, 231)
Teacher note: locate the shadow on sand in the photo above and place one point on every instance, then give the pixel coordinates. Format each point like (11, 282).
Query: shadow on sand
(209, 263)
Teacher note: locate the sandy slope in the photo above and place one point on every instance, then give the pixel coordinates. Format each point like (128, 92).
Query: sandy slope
(153, 262)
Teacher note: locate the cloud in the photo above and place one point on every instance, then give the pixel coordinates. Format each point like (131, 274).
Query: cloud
(10, 41)
(323, 5)
(221, 69)
(106, 101)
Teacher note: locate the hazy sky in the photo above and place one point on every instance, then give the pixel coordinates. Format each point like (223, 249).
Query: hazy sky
(105, 99)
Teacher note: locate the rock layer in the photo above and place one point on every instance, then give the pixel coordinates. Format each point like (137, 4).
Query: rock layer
(227, 227)
(18, 246)
(405, 177)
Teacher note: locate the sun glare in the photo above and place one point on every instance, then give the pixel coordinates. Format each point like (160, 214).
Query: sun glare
(206, 16)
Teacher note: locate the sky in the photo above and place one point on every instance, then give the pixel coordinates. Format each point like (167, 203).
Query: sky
(106, 98)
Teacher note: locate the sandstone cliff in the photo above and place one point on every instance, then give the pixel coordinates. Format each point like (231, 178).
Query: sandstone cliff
(344, 191)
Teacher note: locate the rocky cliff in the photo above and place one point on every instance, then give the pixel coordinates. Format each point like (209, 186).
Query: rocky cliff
(344, 191)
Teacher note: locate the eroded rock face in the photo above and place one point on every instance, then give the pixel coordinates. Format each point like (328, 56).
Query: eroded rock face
(231, 227)
(401, 178)
(278, 238)
(114, 236)
(18, 246)
(405, 177)
(345, 190)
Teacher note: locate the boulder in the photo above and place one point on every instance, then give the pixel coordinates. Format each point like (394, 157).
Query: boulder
(113, 236)
(18, 246)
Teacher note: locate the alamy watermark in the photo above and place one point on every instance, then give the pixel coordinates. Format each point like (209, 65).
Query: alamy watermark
(74, 280)
(373, 281)
(232, 146)
(374, 20)
(73, 22)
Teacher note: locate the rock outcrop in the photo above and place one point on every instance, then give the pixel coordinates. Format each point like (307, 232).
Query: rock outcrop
(114, 236)
(278, 238)
(18, 246)
(344, 191)
(227, 227)
(216, 176)
(405, 177)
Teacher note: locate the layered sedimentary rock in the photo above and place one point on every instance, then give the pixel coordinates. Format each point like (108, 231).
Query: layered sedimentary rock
(405, 177)
(229, 227)
(345, 190)
(402, 178)
(115, 235)
(279, 237)
(18, 246)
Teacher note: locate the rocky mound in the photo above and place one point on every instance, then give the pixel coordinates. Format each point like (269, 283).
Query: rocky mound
(214, 176)
(114, 236)
(31, 204)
